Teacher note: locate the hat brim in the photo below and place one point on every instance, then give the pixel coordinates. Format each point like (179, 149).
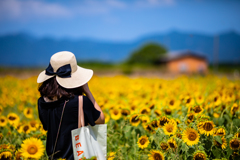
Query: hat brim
(77, 79)
(43, 77)
(80, 77)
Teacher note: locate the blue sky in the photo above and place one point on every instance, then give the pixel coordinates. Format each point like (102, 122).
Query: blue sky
(117, 20)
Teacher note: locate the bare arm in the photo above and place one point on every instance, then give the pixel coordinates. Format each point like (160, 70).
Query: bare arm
(101, 119)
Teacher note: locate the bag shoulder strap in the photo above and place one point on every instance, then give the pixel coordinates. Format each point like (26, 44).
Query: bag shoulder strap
(80, 112)
(58, 130)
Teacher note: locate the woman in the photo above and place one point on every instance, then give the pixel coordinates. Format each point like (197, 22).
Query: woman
(61, 85)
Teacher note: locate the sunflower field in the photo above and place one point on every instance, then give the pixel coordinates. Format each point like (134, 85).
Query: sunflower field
(148, 118)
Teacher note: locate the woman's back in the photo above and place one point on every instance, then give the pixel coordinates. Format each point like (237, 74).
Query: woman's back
(50, 115)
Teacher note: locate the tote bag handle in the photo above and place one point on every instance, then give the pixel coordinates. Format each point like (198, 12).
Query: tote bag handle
(80, 112)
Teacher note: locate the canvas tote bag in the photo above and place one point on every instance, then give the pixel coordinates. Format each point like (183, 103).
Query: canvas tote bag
(89, 141)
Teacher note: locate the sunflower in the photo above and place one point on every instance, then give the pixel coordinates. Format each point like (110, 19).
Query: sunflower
(234, 108)
(134, 120)
(1, 110)
(207, 128)
(163, 120)
(190, 117)
(167, 111)
(198, 109)
(199, 99)
(111, 156)
(220, 131)
(1, 136)
(164, 146)
(143, 142)
(32, 148)
(199, 155)
(149, 128)
(28, 112)
(172, 143)
(3, 121)
(190, 136)
(144, 119)
(151, 106)
(234, 144)
(18, 155)
(189, 101)
(125, 113)
(107, 117)
(169, 128)
(115, 114)
(217, 100)
(6, 155)
(155, 124)
(178, 135)
(8, 147)
(237, 135)
(144, 110)
(13, 119)
(157, 112)
(155, 155)
(223, 145)
(26, 128)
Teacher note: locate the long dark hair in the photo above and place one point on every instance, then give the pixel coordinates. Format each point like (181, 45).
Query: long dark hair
(50, 89)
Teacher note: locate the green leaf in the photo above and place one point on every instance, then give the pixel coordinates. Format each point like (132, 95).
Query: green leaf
(191, 150)
(184, 147)
(236, 122)
(201, 148)
(218, 139)
(221, 121)
(229, 136)
(217, 152)
(208, 144)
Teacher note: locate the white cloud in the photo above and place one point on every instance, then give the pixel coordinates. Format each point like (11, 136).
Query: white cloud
(22, 10)
(15, 9)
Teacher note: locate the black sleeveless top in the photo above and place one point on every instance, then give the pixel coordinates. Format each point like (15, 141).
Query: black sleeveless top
(50, 115)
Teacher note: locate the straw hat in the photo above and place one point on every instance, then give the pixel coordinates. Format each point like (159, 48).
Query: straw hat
(68, 74)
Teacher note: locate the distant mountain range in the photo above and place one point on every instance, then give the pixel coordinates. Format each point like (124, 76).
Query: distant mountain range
(27, 50)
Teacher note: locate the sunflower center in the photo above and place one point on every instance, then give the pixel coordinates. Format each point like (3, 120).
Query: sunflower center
(144, 111)
(28, 111)
(154, 124)
(2, 120)
(135, 119)
(149, 128)
(157, 113)
(143, 141)
(188, 100)
(235, 144)
(115, 112)
(171, 102)
(171, 145)
(12, 118)
(125, 113)
(199, 156)
(169, 129)
(32, 149)
(197, 109)
(179, 135)
(164, 146)
(208, 126)
(192, 136)
(163, 121)
(168, 111)
(157, 156)
(152, 106)
(25, 128)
